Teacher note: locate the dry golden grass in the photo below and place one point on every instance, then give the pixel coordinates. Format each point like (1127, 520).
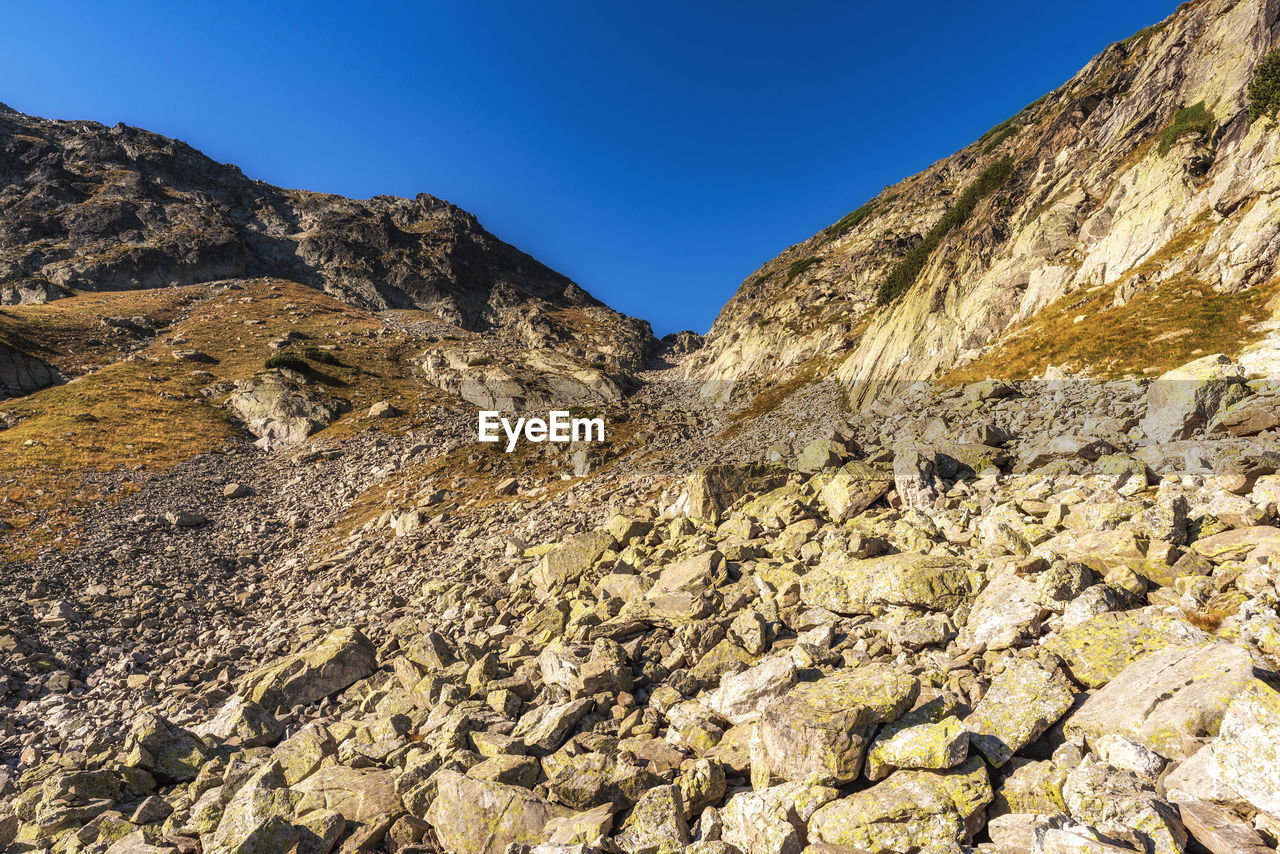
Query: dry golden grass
(147, 413)
(1157, 330)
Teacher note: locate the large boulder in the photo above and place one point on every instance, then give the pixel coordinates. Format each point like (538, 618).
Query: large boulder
(818, 731)
(22, 373)
(1022, 702)
(343, 657)
(365, 798)
(1007, 609)
(241, 723)
(169, 752)
(853, 586)
(1246, 755)
(1169, 699)
(1183, 400)
(854, 488)
(1097, 649)
(712, 489)
(1124, 807)
(567, 562)
(482, 817)
(910, 811)
(773, 820)
(281, 411)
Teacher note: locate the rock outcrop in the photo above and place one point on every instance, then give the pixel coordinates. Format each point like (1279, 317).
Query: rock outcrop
(1141, 174)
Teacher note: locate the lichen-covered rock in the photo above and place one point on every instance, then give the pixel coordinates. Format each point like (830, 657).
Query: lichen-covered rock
(854, 488)
(1007, 609)
(341, 658)
(258, 818)
(1169, 699)
(773, 820)
(656, 825)
(1246, 754)
(280, 411)
(241, 723)
(568, 561)
(740, 696)
(909, 812)
(1183, 400)
(925, 746)
(482, 817)
(852, 586)
(1124, 807)
(818, 732)
(169, 752)
(1098, 649)
(365, 798)
(714, 488)
(1022, 702)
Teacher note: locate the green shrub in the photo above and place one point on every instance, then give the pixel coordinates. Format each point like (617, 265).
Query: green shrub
(850, 221)
(1264, 90)
(1001, 137)
(292, 361)
(324, 357)
(798, 267)
(904, 273)
(1197, 118)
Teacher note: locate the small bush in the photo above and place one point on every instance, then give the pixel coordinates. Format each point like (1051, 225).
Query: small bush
(292, 361)
(904, 273)
(1197, 118)
(1264, 90)
(850, 221)
(1000, 137)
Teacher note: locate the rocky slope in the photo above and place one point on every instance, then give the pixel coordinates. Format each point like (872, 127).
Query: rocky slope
(1140, 175)
(1003, 617)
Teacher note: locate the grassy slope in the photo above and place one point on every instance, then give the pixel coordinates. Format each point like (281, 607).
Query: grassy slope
(147, 413)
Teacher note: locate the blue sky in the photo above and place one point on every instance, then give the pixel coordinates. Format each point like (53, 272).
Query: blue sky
(656, 152)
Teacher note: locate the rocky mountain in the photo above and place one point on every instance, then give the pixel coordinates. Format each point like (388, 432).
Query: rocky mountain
(85, 207)
(263, 590)
(1140, 181)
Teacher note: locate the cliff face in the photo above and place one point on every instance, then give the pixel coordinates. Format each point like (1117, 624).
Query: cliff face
(90, 208)
(1141, 173)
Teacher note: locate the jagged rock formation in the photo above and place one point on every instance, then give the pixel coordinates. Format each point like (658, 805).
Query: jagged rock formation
(87, 207)
(1141, 172)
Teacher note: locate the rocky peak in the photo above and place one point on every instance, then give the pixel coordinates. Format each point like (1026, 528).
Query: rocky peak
(86, 207)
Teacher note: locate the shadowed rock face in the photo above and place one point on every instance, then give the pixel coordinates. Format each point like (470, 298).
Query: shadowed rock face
(89, 207)
(21, 373)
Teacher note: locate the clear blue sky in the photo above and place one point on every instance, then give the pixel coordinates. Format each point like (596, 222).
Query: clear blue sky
(656, 152)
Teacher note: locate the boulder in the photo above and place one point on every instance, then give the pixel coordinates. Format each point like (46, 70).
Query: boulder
(925, 746)
(910, 811)
(1183, 400)
(567, 562)
(1022, 702)
(741, 695)
(169, 752)
(854, 488)
(712, 489)
(365, 798)
(241, 723)
(482, 817)
(1097, 649)
(1124, 807)
(1167, 700)
(1246, 755)
(343, 657)
(852, 586)
(1006, 610)
(773, 820)
(818, 731)
(280, 411)
(656, 825)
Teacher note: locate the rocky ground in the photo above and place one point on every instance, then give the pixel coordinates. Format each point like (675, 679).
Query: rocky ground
(1013, 617)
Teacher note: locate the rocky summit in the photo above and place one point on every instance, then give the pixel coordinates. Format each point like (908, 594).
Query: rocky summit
(975, 554)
